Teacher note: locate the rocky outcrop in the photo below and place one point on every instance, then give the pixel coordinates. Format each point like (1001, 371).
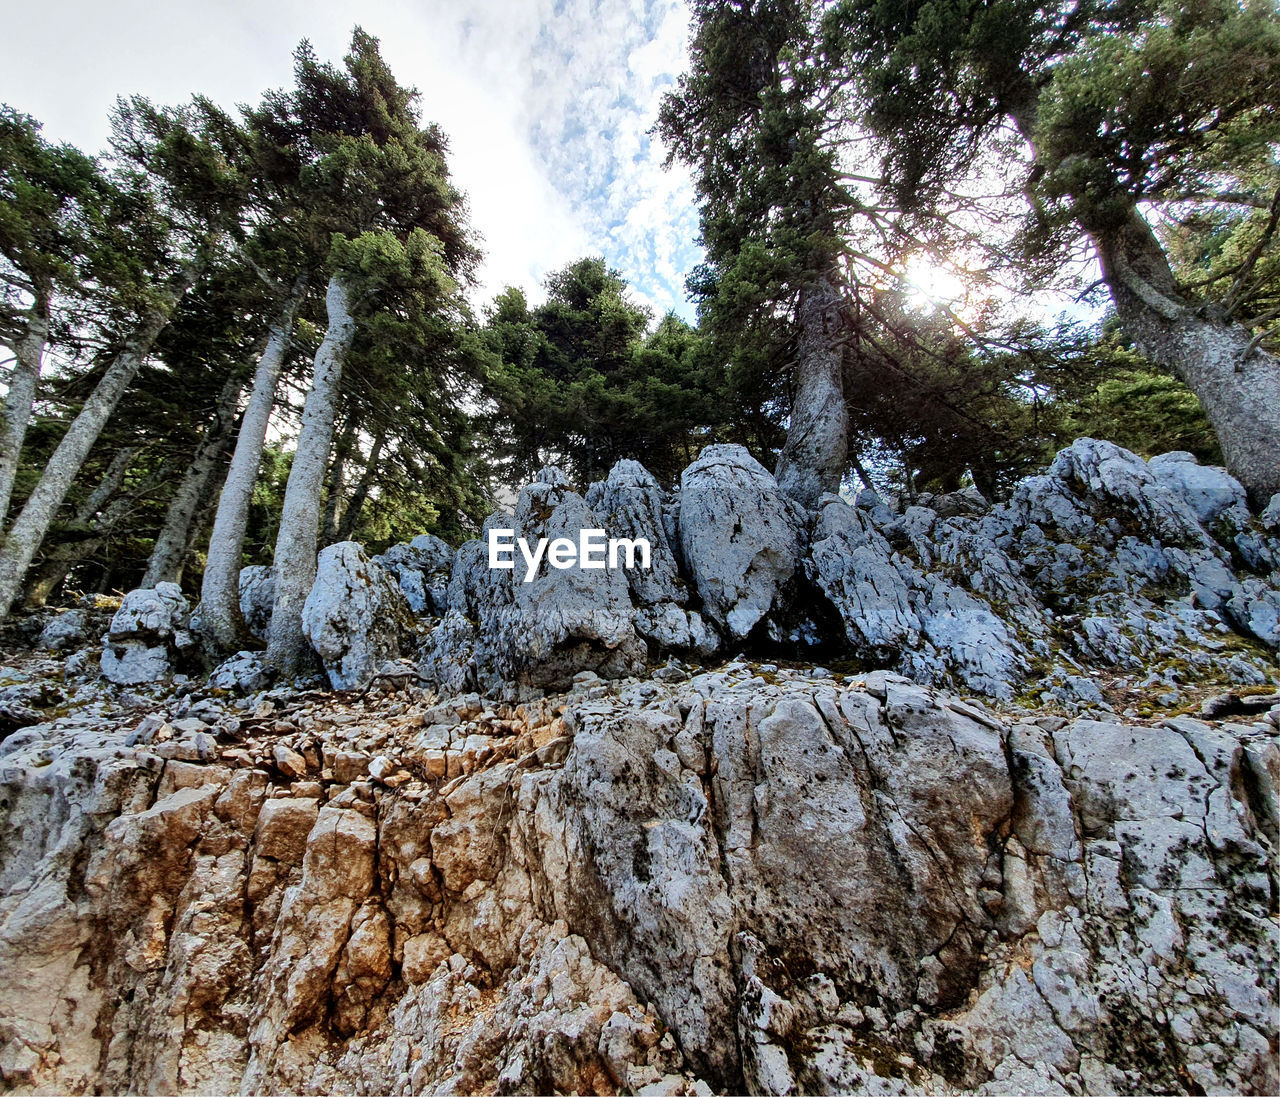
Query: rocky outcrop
(257, 596)
(749, 881)
(422, 568)
(147, 631)
(355, 617)
(505, 634)
(1105, 571)
(739, 535)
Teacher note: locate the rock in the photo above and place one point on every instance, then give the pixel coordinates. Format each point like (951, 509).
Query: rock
(422, 569)
(257, 596)
(289, 762)
(503, 633)
(355, 616)
(245, 672)
(968, 501)
(131, 663)
(779, 885)
(738, 536)
(147, 630)
(1209, 491)
(66, 630)
(151, 614)
(1270, 516)
(894, 611)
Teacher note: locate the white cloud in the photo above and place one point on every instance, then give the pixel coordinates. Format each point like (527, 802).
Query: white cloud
(547, 104)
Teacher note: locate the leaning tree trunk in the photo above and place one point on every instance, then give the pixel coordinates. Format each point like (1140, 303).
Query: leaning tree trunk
(295, 555)
(1237, 384)
(337, 482)
(170, 548)
(351, 516)
(28, 531)
(97, 522)
(220, 618)
(814, 456)
(28, 350)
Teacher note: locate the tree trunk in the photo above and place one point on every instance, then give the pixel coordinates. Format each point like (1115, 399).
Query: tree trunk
(351, 516)
(24, 538)
(1238, 385)
(28, 352)
(220, 616)
(1240, 392)
(295, 555)
(97, 519)
(108, 485)
(170, 548)
(813, 458)
(335, 484)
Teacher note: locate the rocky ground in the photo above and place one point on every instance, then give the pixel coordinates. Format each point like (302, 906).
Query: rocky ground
(947, 798)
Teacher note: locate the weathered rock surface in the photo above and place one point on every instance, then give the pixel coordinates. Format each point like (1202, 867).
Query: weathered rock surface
(355, 616)
(739, 536)
(503, 633)
(422, 568)
(257, 596)
(728, 883)
(147, 630)
(1138, 574)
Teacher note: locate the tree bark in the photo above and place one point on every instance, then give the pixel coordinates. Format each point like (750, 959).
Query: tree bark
(335, 484)
(295, 555)
(97, 518)
(813, 458)
(165, 565)
(1237, 384)
(351, 516)
(220, 617)
(28, 531)
(28, 350)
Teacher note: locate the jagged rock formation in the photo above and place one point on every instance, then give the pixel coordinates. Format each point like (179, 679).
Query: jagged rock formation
(751, 880)
(355, 617)
(1151, 573)
(422, 568)
(502, 632)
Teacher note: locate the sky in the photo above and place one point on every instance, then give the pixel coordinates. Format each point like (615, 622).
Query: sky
(547, 104)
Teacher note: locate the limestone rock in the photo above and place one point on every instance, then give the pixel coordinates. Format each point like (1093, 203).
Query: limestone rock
(355, 616)
(257, 596)
(244, 672)
(1210, 492)
(503, 632)
(422, 569)
(66, 630)
(146, 631)
(738, 536)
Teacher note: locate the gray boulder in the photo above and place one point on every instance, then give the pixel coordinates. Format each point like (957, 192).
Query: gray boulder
(422, 569)
(739, 536)
(630, 503)
(355, 616)
(895, 613)
(245, 672)
(1209, 491)
(1270, 516)
(66, 630)
(257, 596)
(507, 634)
(147, 630)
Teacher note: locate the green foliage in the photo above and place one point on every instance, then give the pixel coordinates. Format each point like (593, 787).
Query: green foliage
(579, 382)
